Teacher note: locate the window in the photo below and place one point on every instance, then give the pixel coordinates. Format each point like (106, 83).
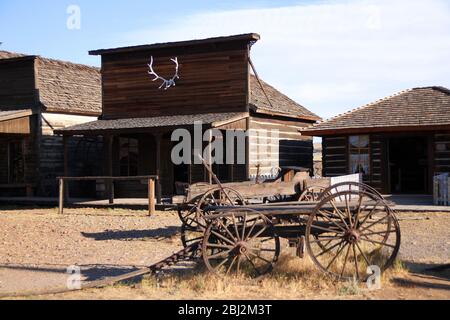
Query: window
(128, 157)
(359, 154)
(16, 163)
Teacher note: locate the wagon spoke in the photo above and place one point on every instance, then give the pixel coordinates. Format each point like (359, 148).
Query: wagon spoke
(222, 263)
(356, 262)
(329, 249)
(327, 229)
(226, 229)
(258, 233)
(222, 237)
(371, 212)
(259, 257)
(345, 261)
(375, 223)
(219, 255)
(363, 254)
(243, 227)
(332, 221)
(235, 227)
(253, 265)
(329, 239)
(231, 264)
(347, 206)
(219, 246)
(335, 257)
(251, 229)
(378, 242)
(339, 212)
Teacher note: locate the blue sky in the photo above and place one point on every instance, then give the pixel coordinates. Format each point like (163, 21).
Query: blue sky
(330, 56)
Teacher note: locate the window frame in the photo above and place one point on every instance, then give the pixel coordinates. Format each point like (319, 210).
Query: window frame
(351, 148)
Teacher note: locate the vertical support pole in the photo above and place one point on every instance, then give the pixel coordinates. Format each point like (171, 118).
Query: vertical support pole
(66, 166)
(109, 168)
(61, 196)
(210, 163)
(111, 191)
(151, 197)
(158, 166)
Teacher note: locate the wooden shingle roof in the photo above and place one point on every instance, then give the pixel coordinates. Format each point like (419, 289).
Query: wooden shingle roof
(69, 87)
(279, 103)
(414, 109)
(133, 124)
(65, 87)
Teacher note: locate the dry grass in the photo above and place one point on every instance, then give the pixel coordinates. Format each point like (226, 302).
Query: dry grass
(292, 278)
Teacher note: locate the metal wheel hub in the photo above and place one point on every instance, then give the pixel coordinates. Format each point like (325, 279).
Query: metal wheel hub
(352, 236)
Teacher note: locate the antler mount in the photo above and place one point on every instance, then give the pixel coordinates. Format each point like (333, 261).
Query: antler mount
(166, 83)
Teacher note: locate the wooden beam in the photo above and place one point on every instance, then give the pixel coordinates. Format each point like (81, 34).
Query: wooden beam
(158, 138)
(61, 196)
(151, 197)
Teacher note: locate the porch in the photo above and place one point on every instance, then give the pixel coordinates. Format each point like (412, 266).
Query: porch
(143, 147)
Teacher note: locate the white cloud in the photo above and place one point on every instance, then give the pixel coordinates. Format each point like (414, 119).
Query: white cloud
(334, 55)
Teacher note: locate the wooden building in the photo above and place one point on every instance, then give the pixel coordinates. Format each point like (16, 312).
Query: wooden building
(215, 85)
(38, 96)
(399, 143)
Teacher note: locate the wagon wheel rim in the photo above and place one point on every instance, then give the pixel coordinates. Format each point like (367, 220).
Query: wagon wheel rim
(191, 236)
(217, 196)
(311, 194)
(240, 242)
(351, 186)
(345, 238)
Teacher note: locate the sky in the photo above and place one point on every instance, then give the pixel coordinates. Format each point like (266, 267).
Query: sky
(330, 56)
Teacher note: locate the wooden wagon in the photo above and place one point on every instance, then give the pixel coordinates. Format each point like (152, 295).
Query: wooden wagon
(348, 231)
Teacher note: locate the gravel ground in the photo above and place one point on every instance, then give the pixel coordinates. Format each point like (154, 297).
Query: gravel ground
(37, 245)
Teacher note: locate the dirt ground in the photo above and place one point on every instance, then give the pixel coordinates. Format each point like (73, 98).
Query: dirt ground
(37, 245)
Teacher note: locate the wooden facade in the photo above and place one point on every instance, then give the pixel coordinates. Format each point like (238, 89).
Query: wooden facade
(36, 99)
(215, 86)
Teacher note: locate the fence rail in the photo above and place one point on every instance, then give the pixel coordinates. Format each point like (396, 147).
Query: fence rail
(152, 193)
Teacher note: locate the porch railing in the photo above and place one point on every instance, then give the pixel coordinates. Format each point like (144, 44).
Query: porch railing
(152, 182)
(441, 190)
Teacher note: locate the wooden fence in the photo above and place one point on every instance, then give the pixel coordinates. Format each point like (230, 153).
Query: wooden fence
(109, 181)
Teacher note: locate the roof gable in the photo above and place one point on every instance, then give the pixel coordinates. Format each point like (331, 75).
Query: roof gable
(418, 107)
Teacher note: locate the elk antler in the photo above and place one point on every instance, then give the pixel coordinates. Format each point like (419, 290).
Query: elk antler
(166, 83)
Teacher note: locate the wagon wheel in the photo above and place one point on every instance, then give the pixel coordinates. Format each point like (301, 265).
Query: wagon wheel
(241, 241)
(311, 194)
(352, 186)
(187, 212)
(344, 238)
(195, 223)
(220, 197)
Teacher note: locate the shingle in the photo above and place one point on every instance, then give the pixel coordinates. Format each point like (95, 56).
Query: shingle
(154, 122)
(428, 106)
(281, 104)
(69, 87)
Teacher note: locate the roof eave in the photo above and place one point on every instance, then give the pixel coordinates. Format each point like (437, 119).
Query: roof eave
(242, 37)
(365, 130)
(260, 110)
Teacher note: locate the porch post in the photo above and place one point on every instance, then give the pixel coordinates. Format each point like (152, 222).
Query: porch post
(65, 191)
(109, 167)
(158, 138)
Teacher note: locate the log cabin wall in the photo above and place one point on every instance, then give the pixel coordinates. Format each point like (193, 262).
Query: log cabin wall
(17, 84)
(441, 159)
(85, 156)
(212, 79)
(336, 161)
(276, 141)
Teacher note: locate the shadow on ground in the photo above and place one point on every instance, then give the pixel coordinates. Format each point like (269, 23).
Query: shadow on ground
(128, 235)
